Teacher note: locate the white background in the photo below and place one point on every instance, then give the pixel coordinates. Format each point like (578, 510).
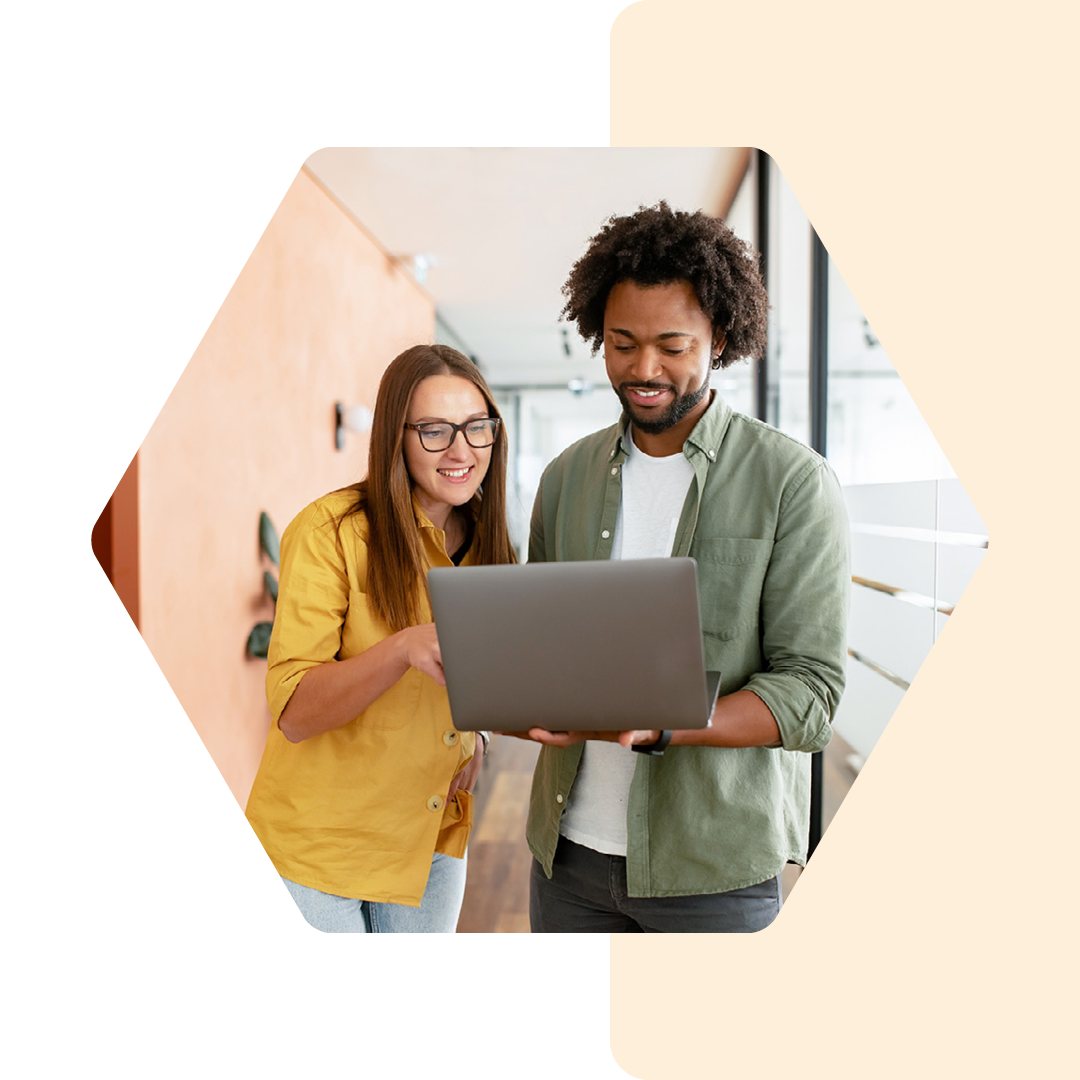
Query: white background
(145, 149)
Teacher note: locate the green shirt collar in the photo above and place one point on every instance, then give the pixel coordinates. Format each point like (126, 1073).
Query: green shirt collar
(706, 436)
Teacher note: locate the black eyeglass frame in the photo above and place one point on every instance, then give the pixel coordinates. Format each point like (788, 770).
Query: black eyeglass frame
(421, 428)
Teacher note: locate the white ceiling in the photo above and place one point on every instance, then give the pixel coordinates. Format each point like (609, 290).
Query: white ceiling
(504, 226)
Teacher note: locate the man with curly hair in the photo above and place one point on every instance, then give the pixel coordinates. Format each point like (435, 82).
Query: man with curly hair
(659, 831)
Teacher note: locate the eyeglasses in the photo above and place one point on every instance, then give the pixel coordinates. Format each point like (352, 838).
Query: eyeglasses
(440, 435)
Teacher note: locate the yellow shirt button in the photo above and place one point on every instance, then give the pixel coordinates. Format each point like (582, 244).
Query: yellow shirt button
(450, 738)
(435, 803)
(558, 798)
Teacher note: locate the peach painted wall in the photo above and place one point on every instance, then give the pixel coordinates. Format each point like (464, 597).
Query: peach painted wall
(315, 316)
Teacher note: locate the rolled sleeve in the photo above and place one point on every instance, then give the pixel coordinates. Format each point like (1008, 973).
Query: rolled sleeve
(313, 599)
(804, 608)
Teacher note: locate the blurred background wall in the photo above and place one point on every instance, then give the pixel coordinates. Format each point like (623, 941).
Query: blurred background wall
(315, 316)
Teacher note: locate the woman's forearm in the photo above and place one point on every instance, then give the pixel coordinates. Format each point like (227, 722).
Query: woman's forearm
(332, 694)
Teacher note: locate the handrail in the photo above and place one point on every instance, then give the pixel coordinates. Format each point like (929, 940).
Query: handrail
(878, 669)
(936, 536)
(906, 595)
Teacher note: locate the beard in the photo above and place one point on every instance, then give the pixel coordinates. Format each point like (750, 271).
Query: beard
(680, 407)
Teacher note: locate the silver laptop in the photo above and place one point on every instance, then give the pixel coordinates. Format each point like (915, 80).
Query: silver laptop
(573, 646)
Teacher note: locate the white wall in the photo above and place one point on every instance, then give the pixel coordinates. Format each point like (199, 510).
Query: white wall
(922, 541)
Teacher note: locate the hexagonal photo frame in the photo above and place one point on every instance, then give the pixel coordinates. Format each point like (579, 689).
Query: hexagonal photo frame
(371, 251)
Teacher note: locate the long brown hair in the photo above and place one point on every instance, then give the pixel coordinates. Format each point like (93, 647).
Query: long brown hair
(396, 567)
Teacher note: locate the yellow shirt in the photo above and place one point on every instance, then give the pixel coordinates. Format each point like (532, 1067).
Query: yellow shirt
(357, 811)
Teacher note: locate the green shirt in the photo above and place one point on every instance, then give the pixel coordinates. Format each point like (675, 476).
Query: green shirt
(765, 520)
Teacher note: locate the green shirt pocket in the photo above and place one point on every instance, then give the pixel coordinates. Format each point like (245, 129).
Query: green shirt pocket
(731, 573)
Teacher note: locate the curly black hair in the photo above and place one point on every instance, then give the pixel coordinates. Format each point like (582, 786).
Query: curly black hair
(658, 246)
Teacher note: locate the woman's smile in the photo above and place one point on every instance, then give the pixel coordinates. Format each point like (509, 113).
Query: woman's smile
(457, 476)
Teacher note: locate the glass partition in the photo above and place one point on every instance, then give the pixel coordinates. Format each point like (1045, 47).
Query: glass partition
(876, 434)
(788, 399)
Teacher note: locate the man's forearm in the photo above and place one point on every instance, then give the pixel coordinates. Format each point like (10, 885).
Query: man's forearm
(739, 719)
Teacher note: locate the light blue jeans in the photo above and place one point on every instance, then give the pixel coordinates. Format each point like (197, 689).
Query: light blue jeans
(437, 914)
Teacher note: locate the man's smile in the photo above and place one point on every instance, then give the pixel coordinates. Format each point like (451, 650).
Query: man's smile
(646, 396)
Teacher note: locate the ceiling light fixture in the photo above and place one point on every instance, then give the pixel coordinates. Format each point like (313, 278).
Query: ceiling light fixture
(418, 265)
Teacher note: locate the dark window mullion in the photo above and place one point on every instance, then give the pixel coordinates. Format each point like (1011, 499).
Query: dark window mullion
(762, 165)
(819, 345)
(819, 437)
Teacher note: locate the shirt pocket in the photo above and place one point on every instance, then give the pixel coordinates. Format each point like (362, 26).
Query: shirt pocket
(731, 573)
(395, 708)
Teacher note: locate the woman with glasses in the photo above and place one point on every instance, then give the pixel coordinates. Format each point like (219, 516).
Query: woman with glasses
(363, 797)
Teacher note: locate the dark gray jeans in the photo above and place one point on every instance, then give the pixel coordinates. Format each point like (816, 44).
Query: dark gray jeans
(587, 895)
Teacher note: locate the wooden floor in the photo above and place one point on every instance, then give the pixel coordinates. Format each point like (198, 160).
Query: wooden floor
(497, 893)
(497, 889)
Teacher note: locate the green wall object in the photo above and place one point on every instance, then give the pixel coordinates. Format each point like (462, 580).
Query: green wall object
(258, 641)
(268, 538)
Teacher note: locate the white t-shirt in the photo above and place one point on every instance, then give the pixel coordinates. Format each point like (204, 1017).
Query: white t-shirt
(653, 493)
